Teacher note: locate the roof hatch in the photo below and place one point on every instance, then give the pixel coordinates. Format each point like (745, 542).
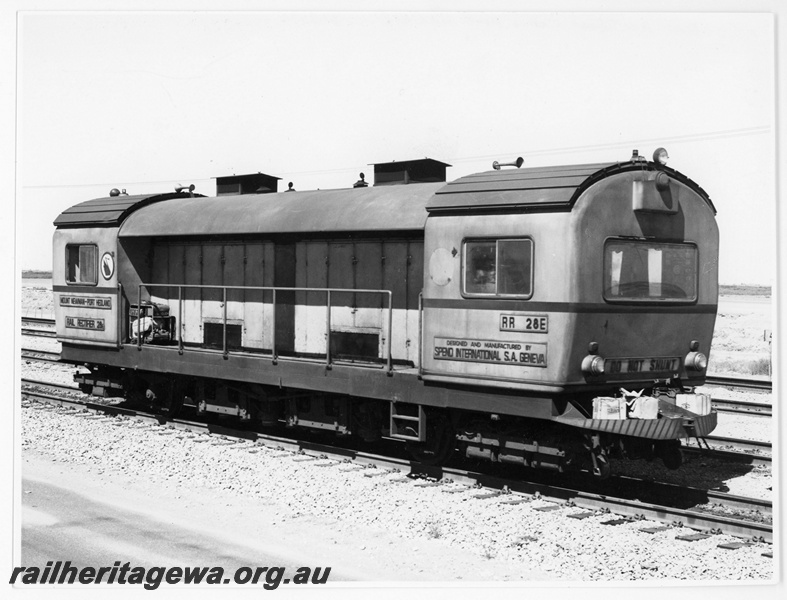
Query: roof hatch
(422, 170)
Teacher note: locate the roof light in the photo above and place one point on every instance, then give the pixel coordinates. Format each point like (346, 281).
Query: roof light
(660, 156)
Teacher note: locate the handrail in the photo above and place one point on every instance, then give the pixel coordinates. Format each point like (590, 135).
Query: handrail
(119, 312)
(273, 289)
(420, 334)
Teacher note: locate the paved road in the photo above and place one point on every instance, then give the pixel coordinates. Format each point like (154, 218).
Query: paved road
(61, 525)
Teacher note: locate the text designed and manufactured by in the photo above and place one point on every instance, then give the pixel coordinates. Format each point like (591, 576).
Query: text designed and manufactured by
(524, 354)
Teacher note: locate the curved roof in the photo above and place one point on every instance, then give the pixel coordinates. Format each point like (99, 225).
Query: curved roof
(385, 208)
(109, 211)
(372, 209)
(540, 188)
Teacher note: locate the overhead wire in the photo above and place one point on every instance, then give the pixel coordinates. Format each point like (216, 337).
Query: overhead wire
(722, 134)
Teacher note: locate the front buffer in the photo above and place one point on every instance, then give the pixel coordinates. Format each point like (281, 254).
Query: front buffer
(630, 430)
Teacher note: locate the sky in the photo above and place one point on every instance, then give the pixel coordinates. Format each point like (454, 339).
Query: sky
(147, 100)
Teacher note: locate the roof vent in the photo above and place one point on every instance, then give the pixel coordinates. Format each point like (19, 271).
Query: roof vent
(361, 183)
(422, 170)
(255, 183)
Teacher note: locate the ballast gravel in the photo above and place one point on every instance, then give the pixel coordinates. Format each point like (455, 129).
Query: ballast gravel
(548, 542)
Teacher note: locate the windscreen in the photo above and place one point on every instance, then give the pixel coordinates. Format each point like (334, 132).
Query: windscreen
(643, 271)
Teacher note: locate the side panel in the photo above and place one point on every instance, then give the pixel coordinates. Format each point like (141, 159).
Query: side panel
(359, 321)
(192, 296)
(234, 275)
(310, 312)
(254, 331)
(467, 337)
(359, 264)
(212, 274)
(284, 269)
(87, 311)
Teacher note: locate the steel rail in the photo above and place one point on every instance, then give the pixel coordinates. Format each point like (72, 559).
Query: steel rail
(730, 455)
(57, 386)
(38, 320)
(756, 409)
(40, 355)
(739, 382)
(32, 332)
(739, 443)
(563, 497)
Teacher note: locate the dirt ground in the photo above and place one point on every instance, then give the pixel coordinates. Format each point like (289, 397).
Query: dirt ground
(367, 554)
(741, 339)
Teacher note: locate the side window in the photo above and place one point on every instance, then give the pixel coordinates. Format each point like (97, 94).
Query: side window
(498, 267)
(81, 264)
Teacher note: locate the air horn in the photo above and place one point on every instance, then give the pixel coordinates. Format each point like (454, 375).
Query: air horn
(517, 163)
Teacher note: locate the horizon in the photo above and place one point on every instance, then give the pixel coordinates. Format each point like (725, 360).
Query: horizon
(758, 285)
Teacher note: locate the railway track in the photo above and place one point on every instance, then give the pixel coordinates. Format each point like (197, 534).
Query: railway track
(759, 409)
(38, 321)
(744, 450)
(740, 444)
(36, 332)
(739, 383)
(40, 355)
(571, 501)
(38, 327)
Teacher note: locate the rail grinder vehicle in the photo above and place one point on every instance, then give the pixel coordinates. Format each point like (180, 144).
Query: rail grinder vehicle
(551, 316)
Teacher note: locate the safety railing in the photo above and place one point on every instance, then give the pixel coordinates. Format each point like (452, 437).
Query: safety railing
(273, 290)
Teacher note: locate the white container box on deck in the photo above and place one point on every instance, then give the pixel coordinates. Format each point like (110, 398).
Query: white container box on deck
(644, 407)
(605, 407)
(697, 403)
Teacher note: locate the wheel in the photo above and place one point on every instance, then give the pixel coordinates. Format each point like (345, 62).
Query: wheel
(440, 441)
(171, 405)
(670, 454)
(602, 469)
(167, 399)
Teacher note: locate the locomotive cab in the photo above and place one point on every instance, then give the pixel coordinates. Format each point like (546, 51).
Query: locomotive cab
(593, 286)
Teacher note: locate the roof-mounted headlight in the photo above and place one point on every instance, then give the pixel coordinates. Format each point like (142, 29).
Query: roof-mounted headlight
(660, 156)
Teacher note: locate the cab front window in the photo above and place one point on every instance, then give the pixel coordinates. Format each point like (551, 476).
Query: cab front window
(637, 270)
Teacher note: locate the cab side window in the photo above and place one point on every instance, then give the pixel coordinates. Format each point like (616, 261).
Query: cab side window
(81, 264)
(498, 267)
